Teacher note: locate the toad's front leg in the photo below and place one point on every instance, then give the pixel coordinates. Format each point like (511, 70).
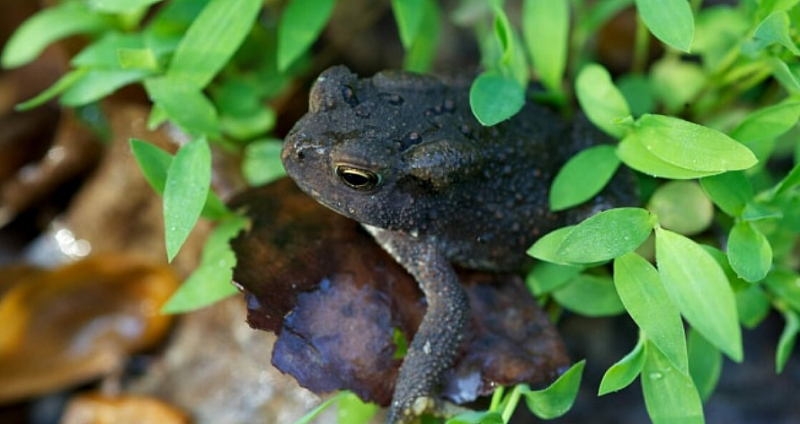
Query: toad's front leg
(434, 346)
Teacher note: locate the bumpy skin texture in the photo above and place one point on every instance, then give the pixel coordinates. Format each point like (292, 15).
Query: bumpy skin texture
(402, 154)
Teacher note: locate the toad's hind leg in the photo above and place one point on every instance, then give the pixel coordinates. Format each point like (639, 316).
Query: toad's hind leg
(434, 346)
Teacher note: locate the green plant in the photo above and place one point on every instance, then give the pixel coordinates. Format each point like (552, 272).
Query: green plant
(712, 113)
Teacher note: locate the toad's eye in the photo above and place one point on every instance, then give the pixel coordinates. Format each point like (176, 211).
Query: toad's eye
(358, 179)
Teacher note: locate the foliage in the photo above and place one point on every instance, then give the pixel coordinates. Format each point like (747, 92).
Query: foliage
(714, 120)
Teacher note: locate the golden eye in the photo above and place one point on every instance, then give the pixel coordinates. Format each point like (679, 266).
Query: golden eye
(358, 179)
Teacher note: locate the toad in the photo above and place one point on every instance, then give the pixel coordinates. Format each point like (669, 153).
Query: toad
(402, 154)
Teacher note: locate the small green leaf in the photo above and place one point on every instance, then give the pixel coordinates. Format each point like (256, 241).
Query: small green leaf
(622, 374)
(583, 176)
(141, 59)
(309, 417)
(352, 410)
(705, 364)
(211, 41)
(787, 341)
(51, 24)
(677, 82)
(68, 80)
(638, 93)
(99, 83)
(775, 29)
(646, 300)
(749, 252)
(211, 281)
(120, 6)
(602, 102)
(752, 304)
(633, 153)
(262, 162)
(545, 25)
(104, 52)
(184, 104)
(495, 98)
(606, 235)
(300, 25)
(785, 284)
(590, 295)
(546, 277)
(504, 33)
(691, 146)
(768, 122)
(476, 417)
(185, 192)
(730, 191)
(409, 15)
(784, 75)
(546, 247)
(698, 287)
(557, 399)
(422, 51)
(682, 206)
(669, 394)
(153, 162)
(671, 21)
(789, 182)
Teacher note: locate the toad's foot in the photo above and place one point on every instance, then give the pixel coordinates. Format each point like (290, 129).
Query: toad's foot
(433, 348)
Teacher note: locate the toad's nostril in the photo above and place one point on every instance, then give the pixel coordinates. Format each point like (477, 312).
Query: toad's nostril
(301, 155)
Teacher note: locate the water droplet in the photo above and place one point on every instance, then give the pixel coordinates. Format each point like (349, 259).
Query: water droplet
(656, 375)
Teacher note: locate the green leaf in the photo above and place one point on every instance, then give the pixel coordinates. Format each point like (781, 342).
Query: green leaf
(309, 417)
(423, 50)
(68, 80)
(546, 277)
(557, 399)
(698, 287)
(640, 288)
(622, 374)
(99, 83)
(606, 235)
(730, 191)
(352, 410)
(211, 41)
(211, 281)
(669, 394)
(752, 304)
(495, 98)
(784, 75)
(671, 21)
(786, 285)
(153, 162)
(682, 206)
(749, 252)
(691, 146)
(768, 122)
(141, 59)
(583, 176)
(409, 15)
(300, 25)
(590, 295)
(602, 102)
(504, 33)
(787, 341)
(638, 93)
(185, 192)
(49, 25)
(705, 364)
(184, 104)
(775, 29)
(120, 6)
(545, 28)
(262, 162)
(104, 52)
(677, 82)
(633, 153)
(546, 247)
(789, 182)
(475, 417)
